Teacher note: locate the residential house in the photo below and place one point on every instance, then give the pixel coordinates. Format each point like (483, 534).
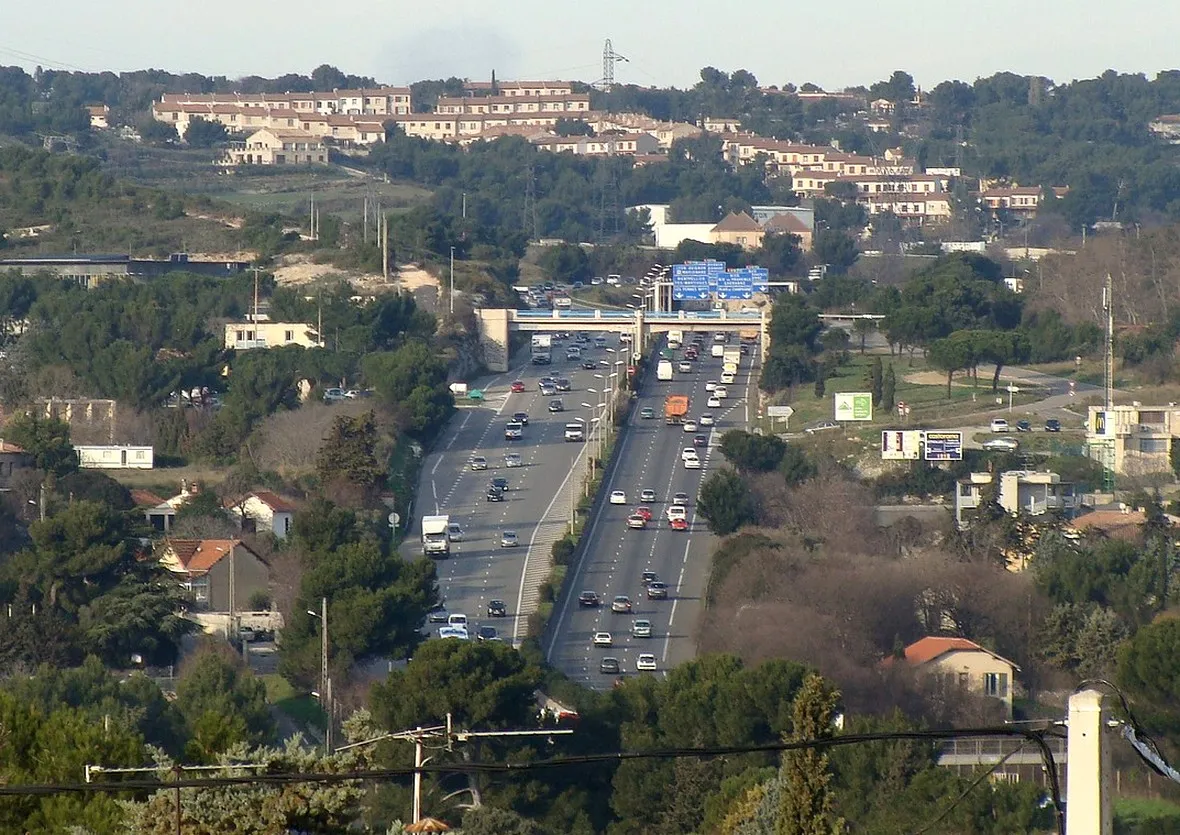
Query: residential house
(100, 116)
(1018, 200)
(917, 209)
(670, 235)
(218, 575)
(1135, 439)
(1018, 492)
(114, 457)
(721, 124)
(161, 513)
(281, 146)
(1166, 127)
(789, 223)
(243, 336)
(518, 88)
(740, 229)
(263, 511)
(1116, 523)
(427, 125)
(963, 664)
(12, 458)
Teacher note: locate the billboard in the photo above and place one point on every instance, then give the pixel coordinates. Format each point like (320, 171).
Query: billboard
(899, 445)
(944, 446)
(854, 405)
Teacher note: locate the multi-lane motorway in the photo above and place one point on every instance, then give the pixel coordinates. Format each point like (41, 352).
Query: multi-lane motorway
(479, 570)
(615, 556)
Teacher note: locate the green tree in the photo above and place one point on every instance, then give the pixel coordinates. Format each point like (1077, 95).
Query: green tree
(46, 439)
(793, 322)
(488, 820)
(820, 371)
(1174, 459)
(807, 803)
(204, 134)
(951, 355)
(836, 249)
(726, 503)
(348, 454)
(795, 466)
(876, 380)
(889, 390)
(222, 703)
(752, 453)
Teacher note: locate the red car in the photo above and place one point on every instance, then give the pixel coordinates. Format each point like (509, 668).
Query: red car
(517, 386)
(678, 524)
(645, 512)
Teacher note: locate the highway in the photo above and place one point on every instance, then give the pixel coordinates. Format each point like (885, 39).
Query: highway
(615, 557)
(536, 504)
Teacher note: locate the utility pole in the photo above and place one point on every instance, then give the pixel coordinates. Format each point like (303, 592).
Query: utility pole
(255, 271)
(445, 735)
(325, 676)
(365, 221)
(452, 281)
(1108, 364)
(1090, 808)
(385, 247)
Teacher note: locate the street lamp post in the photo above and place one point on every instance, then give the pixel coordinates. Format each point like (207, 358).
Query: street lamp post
(325, 677)
(452, 281)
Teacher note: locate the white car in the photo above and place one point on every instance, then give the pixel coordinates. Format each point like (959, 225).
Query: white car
(459, 632)
(706, 419)
(646, 661)
(479, 463)
(999, 425)
(677, 512)
(688, 452)
(1001, 444)
(512, 459)
(618, 497)
(711, 385)
(727, 378)
(689, 426)
(685, 367)
(693, 463)
(714, 403)
(721, 392)
(457, 620)
(602, 639)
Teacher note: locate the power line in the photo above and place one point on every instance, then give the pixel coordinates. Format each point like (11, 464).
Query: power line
(1036, 737)
(974, 783)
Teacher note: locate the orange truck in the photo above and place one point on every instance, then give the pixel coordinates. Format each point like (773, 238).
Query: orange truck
(675, 408)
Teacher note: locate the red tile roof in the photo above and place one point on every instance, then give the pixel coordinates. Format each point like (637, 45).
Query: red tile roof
(145, 498)
(5, 446)
(786, 222)
(737, 222)
(196, 556)
(933, 647)
(274, 501)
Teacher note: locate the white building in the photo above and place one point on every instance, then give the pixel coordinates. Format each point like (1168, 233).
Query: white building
(114, 457)
(1019, 492)
(1135, 439)
(243, 336)
(264, 511)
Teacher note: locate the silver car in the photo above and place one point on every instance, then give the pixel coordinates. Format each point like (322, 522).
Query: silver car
(512, 459)
(508, 539)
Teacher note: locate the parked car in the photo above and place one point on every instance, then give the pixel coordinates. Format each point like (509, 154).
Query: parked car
(1023, 426)
(334, 395)
(999, 425)
(1001, 444)
(822, 426)
(1052, 425)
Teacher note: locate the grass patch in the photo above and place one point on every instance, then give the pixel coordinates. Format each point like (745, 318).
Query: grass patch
(166, 482)
(1139, 814)
(302, 708)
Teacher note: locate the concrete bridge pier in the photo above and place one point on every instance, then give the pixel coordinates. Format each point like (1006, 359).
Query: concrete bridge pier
(493, 337)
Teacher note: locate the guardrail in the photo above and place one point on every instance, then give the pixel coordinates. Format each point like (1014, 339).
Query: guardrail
(628, 316)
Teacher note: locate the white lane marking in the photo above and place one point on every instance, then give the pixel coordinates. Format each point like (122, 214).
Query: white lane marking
(675, 600)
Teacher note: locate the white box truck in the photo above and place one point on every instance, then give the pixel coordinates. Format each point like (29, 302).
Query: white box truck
(542, 349)
(436, 542)
(664, 370)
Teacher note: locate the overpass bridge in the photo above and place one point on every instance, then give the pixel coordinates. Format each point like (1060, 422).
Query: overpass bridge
(495, 325)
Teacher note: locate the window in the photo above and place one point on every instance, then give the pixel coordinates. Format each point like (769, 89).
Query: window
(965, 490)
(1153, 445)
(995, 684)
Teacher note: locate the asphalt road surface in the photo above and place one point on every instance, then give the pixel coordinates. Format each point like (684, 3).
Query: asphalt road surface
(536, 504)
(616, 557)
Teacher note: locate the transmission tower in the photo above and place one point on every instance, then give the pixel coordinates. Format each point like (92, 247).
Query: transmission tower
(608, 201)
(609, 59)
(529, 219)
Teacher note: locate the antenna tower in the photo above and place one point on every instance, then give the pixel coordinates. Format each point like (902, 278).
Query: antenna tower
(609, 59)
(1108, 364)
(529, 220)
(608, 201)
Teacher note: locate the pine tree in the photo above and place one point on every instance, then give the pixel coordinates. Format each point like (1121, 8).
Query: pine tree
(807, 800)
(889, 389)
(876, 376)
(821, 371)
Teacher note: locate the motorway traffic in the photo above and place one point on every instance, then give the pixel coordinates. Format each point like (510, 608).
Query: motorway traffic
(610, 623)
(499, 551)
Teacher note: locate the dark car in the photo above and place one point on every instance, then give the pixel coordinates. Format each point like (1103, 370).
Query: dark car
(495, 494)
(609, 666)
(657, 591)
(1052, 425)
(556, 406)
(700, 440)
(563, 384)
(487, 633)
(497, 609)
(521, 417)
(589, 365)
(589, 599)
(648, 578)
(499, 483)
(1023, 426)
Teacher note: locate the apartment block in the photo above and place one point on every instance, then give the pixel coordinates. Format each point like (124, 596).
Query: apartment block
(1133, 440)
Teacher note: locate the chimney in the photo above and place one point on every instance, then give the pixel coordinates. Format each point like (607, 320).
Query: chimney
(194, 488)
(183, 485)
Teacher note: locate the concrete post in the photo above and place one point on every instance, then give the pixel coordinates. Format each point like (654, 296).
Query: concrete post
(1088, 804)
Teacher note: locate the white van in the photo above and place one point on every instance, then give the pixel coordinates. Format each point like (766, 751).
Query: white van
(573, 432)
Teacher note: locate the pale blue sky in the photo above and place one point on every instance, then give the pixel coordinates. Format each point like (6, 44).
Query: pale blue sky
(833, 44)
